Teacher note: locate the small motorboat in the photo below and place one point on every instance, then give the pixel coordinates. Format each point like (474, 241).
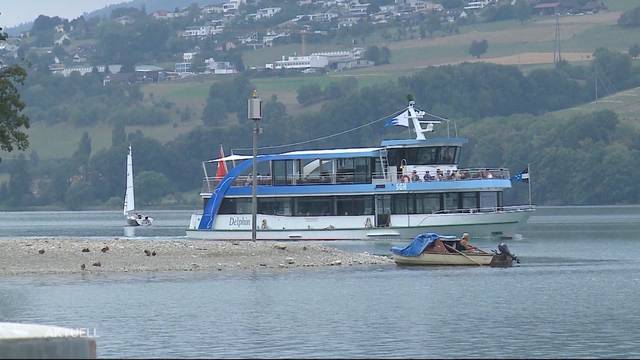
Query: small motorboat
(434, 249)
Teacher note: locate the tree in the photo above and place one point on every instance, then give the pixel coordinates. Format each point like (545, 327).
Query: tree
(12, 121)
(151, 186)
(372, 54)
(81, 156)
(433, 23)
(309, 94)
(19, 187)
(214, 112)
(385, 55)
(630, 18)
(523, 10)
(634, 50)
(478, 48)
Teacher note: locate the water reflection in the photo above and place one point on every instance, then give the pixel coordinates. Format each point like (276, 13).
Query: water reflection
(129, 231)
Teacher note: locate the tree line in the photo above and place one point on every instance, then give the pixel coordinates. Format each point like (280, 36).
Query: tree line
(503, 111)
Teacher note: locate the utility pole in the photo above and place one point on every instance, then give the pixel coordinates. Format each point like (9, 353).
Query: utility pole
(595, 69)
(557, 55)
(255, 114)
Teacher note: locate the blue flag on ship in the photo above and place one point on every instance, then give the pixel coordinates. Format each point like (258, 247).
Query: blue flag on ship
(523, 176)
(400, 120)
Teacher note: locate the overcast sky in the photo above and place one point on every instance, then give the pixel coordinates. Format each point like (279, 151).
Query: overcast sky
(14, 12)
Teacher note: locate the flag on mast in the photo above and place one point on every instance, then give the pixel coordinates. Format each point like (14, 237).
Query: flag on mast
(221, 170)
(400, 120)
(522, 176)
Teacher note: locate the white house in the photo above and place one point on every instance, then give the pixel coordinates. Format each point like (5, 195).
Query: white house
(183, 67)
(322, 17)
(266, 13)
(61, 40)
(212, 9)
(232, 6)
(477, 5)
(219, 67)
(188, 56)
(302, 62)
(203, 30)
(125, 20)
(357, 9)
(270, 36)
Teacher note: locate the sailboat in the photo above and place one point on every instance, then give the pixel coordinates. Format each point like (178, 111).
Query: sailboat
(133, 218)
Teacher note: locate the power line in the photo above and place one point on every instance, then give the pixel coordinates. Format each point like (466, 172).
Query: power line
(324, 137)
(333, 135)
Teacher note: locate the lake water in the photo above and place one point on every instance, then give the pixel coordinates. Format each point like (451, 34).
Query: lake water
(575, 294)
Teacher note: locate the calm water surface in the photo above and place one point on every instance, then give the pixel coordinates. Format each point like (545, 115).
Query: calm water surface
(575, 294)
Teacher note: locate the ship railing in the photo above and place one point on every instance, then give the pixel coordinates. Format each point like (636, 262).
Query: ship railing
(346, 177)
(459, 174)
(495, 209)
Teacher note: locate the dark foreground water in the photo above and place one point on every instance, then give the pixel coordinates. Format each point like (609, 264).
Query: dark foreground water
(575, 294)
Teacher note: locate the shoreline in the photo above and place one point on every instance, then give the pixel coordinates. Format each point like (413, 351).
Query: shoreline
(53, 255)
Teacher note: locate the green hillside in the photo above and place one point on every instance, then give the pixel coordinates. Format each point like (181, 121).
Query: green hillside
(528, 45)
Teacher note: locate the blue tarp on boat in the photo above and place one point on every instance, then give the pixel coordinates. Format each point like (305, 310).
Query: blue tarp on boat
(419, 243)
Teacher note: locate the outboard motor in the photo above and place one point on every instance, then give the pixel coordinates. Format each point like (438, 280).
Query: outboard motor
(503, 257)
(504, 249)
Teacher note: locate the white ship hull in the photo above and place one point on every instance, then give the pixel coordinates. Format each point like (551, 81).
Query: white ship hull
(238, 227)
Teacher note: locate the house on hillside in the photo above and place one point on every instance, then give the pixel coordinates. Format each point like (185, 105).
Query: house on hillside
(264, 13)
(148, 73)
(212, 9)
(62, 40)
(124, 20)
(271, 36)
(300, 62)
(357, 9)
(219, 67)
(547, 8)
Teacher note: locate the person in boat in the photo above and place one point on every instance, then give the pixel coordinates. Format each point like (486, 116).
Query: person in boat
(463, 244)
(436, 247)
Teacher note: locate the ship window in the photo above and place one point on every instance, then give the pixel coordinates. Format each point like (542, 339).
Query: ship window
(427, 203)
(354, 205)
(345, 171)
(451, 201)
(488, 199)
(235, 206)
(447, 155)
(426, 156)
(314, 206)
(285, 171)
(362, 170)
(470, 200)
(431, 155)
(275, 206)
(402, 204)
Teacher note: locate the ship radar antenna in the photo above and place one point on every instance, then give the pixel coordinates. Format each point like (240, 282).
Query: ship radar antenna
(417, 117)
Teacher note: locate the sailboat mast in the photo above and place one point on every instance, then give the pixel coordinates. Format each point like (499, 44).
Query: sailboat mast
(129, 202)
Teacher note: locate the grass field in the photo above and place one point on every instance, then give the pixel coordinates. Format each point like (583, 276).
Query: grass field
(625, 103)
(528, 45)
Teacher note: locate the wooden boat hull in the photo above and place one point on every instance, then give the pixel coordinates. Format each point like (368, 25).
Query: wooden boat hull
(449, 259)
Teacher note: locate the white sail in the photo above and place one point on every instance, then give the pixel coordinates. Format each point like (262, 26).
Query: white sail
(129, 202)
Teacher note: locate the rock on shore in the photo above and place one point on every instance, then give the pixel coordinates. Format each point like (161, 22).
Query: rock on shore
(56, 255)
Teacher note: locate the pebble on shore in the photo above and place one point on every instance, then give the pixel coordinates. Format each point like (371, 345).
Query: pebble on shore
(123, 255)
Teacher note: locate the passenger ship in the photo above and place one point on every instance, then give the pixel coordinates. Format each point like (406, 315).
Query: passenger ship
(360, 193)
